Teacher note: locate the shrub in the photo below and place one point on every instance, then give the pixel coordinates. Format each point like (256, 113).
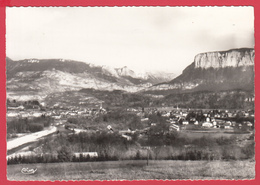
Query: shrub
(64, 154)
(138, 155)
(228, 153)
(249, 150)
(34, 127)
(225, 141)
(73, 120)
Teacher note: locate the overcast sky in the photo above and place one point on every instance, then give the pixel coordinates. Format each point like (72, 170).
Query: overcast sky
(142, 38)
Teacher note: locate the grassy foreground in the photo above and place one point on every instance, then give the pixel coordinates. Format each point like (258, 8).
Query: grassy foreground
(135, 170)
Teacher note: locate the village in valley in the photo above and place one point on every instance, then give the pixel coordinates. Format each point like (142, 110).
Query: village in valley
(172, 120)
(177, 118)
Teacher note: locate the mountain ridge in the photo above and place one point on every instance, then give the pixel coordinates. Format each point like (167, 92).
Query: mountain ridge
(73, 66)
(210, 75)
(214, 71)
(46, 76)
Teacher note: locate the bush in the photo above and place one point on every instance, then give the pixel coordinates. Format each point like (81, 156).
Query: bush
(249, 150)
(34, 127)
(25, 125)
(64, 154)
(17, 126)
(73, 120)
(225, 141)
(138, 155)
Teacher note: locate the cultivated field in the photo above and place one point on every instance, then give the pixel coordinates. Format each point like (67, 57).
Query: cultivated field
(135, 170)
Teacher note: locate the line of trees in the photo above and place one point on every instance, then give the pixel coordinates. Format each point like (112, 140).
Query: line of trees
(160, 153)
(111, 146)
(23, 125)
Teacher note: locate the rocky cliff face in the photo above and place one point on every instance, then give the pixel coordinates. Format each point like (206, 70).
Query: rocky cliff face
(231, 58)
(215, 71)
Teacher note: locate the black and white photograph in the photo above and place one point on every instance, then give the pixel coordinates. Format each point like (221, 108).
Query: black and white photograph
(130, 93)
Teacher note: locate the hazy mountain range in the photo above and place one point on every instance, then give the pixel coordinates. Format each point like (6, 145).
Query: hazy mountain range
(34, 78)
(220, 71)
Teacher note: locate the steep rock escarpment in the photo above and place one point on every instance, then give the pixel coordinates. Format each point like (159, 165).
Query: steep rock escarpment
(232, 58)
(216, 71)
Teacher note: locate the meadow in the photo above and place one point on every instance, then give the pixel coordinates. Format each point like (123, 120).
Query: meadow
(135, 170)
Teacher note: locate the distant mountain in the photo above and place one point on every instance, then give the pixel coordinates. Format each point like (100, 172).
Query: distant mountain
(221, 79)
(138, 78)
(214, 71)
(34, 78)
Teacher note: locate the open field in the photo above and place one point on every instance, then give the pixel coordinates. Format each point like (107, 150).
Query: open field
(135, 170)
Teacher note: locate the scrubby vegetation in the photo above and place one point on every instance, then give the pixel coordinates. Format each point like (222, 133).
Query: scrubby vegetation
(158, 146)
(117, 118)
(24, 125)
(213, 100)
(118, 97)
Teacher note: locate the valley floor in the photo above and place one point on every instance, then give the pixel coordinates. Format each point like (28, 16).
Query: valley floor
(135, 170)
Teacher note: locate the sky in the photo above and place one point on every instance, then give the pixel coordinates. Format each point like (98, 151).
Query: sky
(141, 38)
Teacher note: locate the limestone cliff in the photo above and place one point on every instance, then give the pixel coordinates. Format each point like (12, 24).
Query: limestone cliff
(230, 58)
(215, 71)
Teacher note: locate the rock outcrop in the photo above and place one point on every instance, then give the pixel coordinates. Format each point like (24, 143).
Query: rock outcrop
(215, 71)
(231, 58)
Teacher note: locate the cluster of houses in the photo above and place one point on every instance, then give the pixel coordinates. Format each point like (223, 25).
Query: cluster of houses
(57, 114)
(180, 119)
(177, 118)
(24, 114)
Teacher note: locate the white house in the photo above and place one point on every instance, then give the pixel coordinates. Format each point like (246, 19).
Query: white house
(174, 127)
(36, 114)
(12, 114)
(228, 123)
(185, 122)
(56, 116)
(128, 138)
(184, 114)
(166, 115)
(227, 126)
(144, 119)
(207, 124)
